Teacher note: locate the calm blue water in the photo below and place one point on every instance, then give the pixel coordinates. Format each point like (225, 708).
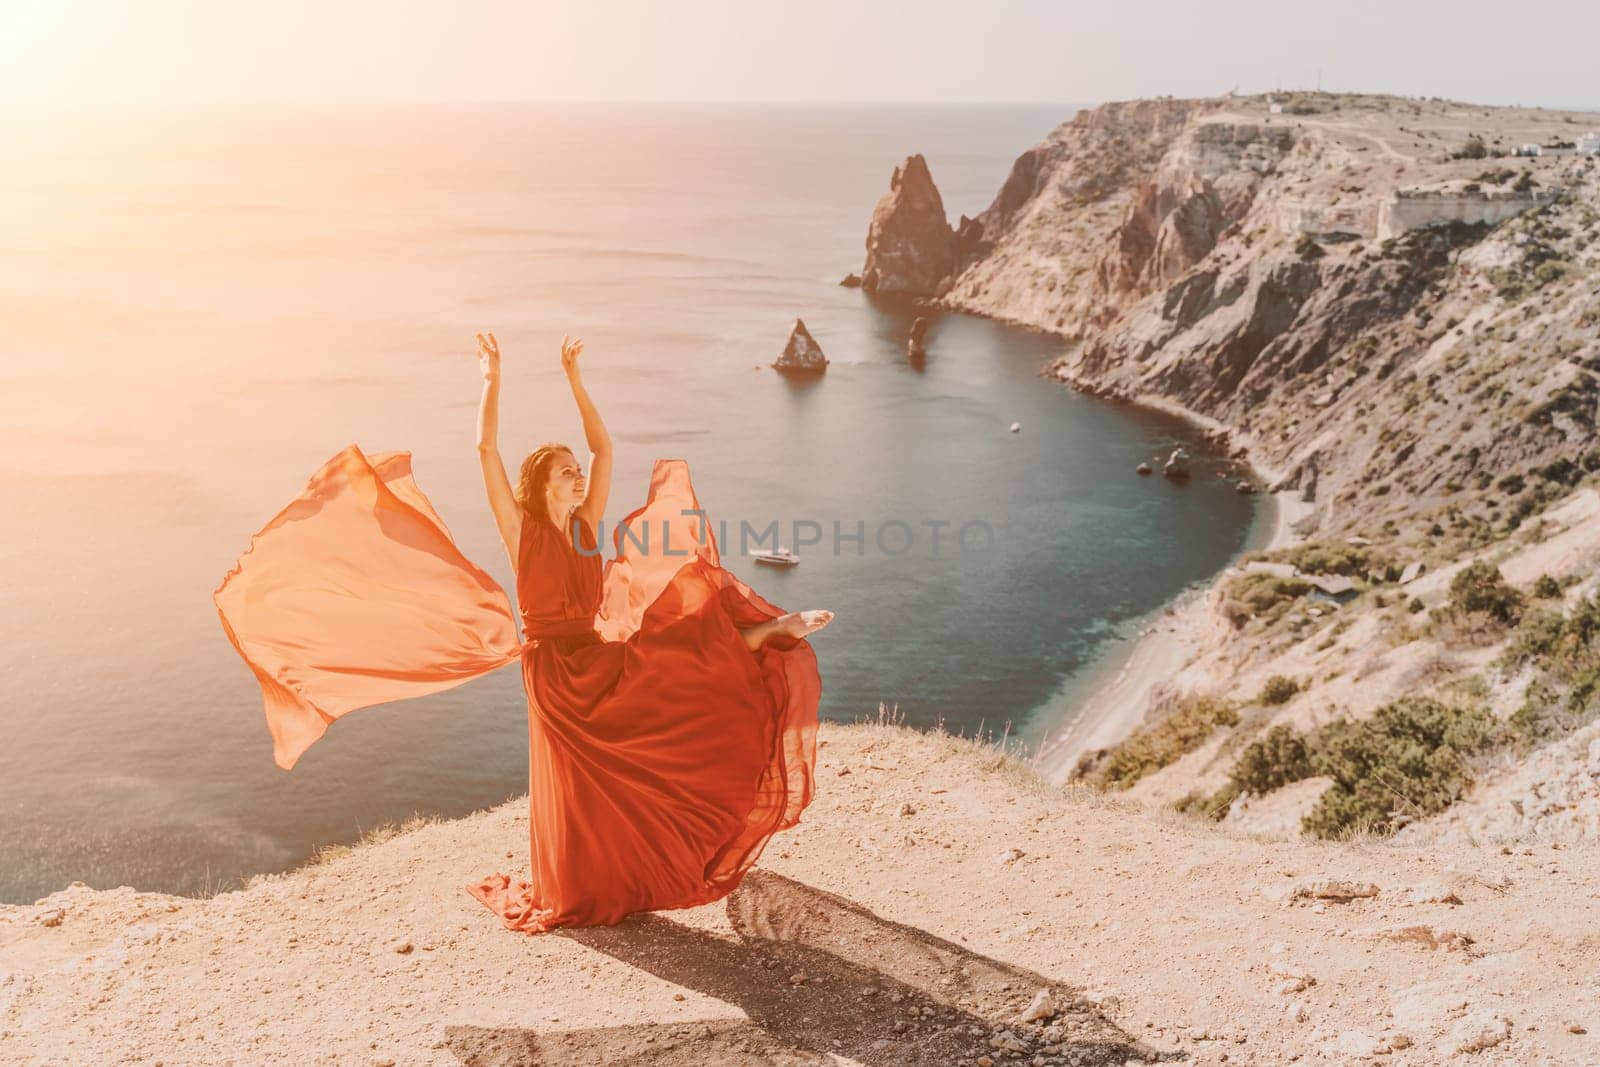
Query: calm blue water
(201, 309)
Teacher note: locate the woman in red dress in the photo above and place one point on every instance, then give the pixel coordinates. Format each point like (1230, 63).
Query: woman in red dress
(672, 711)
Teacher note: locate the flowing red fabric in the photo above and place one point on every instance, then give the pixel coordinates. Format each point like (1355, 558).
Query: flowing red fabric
(662, 753)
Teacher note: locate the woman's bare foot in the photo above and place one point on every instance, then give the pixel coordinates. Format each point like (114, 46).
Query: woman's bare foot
(801, 623)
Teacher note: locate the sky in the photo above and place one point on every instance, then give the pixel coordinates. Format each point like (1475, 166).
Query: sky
(72, 53)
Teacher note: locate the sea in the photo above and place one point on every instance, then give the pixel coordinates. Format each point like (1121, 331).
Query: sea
(199, 307)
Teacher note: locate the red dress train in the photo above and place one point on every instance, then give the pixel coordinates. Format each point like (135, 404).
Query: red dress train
(662, 753)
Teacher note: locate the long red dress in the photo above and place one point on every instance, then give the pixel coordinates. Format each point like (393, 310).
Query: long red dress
(662, 753)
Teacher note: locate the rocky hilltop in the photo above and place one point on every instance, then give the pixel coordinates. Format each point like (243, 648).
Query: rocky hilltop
(1393, 315)
(938, 904)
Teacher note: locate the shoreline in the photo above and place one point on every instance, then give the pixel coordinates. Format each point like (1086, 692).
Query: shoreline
(1116, 700)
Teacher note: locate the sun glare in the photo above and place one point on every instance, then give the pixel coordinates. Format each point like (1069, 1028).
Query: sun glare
(57, 53)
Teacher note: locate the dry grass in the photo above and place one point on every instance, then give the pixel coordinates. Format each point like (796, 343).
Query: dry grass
(387, 831)
(988, 753)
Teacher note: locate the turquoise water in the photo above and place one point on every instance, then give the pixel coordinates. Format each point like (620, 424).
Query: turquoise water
(202, 309)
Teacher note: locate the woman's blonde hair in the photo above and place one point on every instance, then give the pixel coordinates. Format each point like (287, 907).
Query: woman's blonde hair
(534, 479)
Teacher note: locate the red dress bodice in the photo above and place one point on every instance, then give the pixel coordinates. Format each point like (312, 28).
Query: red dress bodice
(558, 587)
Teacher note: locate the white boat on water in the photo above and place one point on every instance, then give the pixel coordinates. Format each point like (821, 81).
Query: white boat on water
(778, 557)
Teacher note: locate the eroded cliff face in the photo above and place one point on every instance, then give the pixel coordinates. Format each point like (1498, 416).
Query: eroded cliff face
(1218, 256)
(1401, 332)
(1113, 205)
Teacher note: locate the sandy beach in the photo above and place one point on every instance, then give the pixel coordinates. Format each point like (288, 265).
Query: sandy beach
(1170, 638)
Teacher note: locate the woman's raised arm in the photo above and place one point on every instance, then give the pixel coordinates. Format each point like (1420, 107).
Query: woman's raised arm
(502, 501)
(593, 507)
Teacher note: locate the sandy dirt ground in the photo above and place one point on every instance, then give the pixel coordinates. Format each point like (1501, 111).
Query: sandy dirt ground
(934, 893)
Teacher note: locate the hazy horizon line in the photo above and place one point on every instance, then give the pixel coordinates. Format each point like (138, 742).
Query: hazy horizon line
(12, 104)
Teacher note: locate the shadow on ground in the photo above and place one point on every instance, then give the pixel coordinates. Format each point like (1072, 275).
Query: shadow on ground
(819, 977)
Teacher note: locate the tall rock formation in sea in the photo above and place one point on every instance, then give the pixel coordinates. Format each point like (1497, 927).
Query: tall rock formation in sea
(911, 248)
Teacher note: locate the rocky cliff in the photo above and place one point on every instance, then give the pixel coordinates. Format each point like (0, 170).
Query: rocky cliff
(938, 905)
(1395, 321)
(911, 248)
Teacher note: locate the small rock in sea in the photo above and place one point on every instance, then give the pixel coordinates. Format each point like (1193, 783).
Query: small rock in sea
(1245, 488)
(1016, 427)
(802, 355)
(1177, 464)
(851, 281)
(1143, 468)
(919, 330)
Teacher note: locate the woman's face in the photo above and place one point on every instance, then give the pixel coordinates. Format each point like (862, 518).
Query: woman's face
(566, 481)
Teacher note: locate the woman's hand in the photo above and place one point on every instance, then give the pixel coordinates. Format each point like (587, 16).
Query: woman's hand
(489, 357)
(569, 355)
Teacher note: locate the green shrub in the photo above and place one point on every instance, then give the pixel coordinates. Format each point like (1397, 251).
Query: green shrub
(1261, 593)
(1561, 471)
(1547, 588)
(1279, 689)
(1181, 731)
(1549, 272)
(1274, 761)
(1330, 557)
(1479, 587)
(1536, 638)
(1543, 716)
(1212, 807)
(1407, 759)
